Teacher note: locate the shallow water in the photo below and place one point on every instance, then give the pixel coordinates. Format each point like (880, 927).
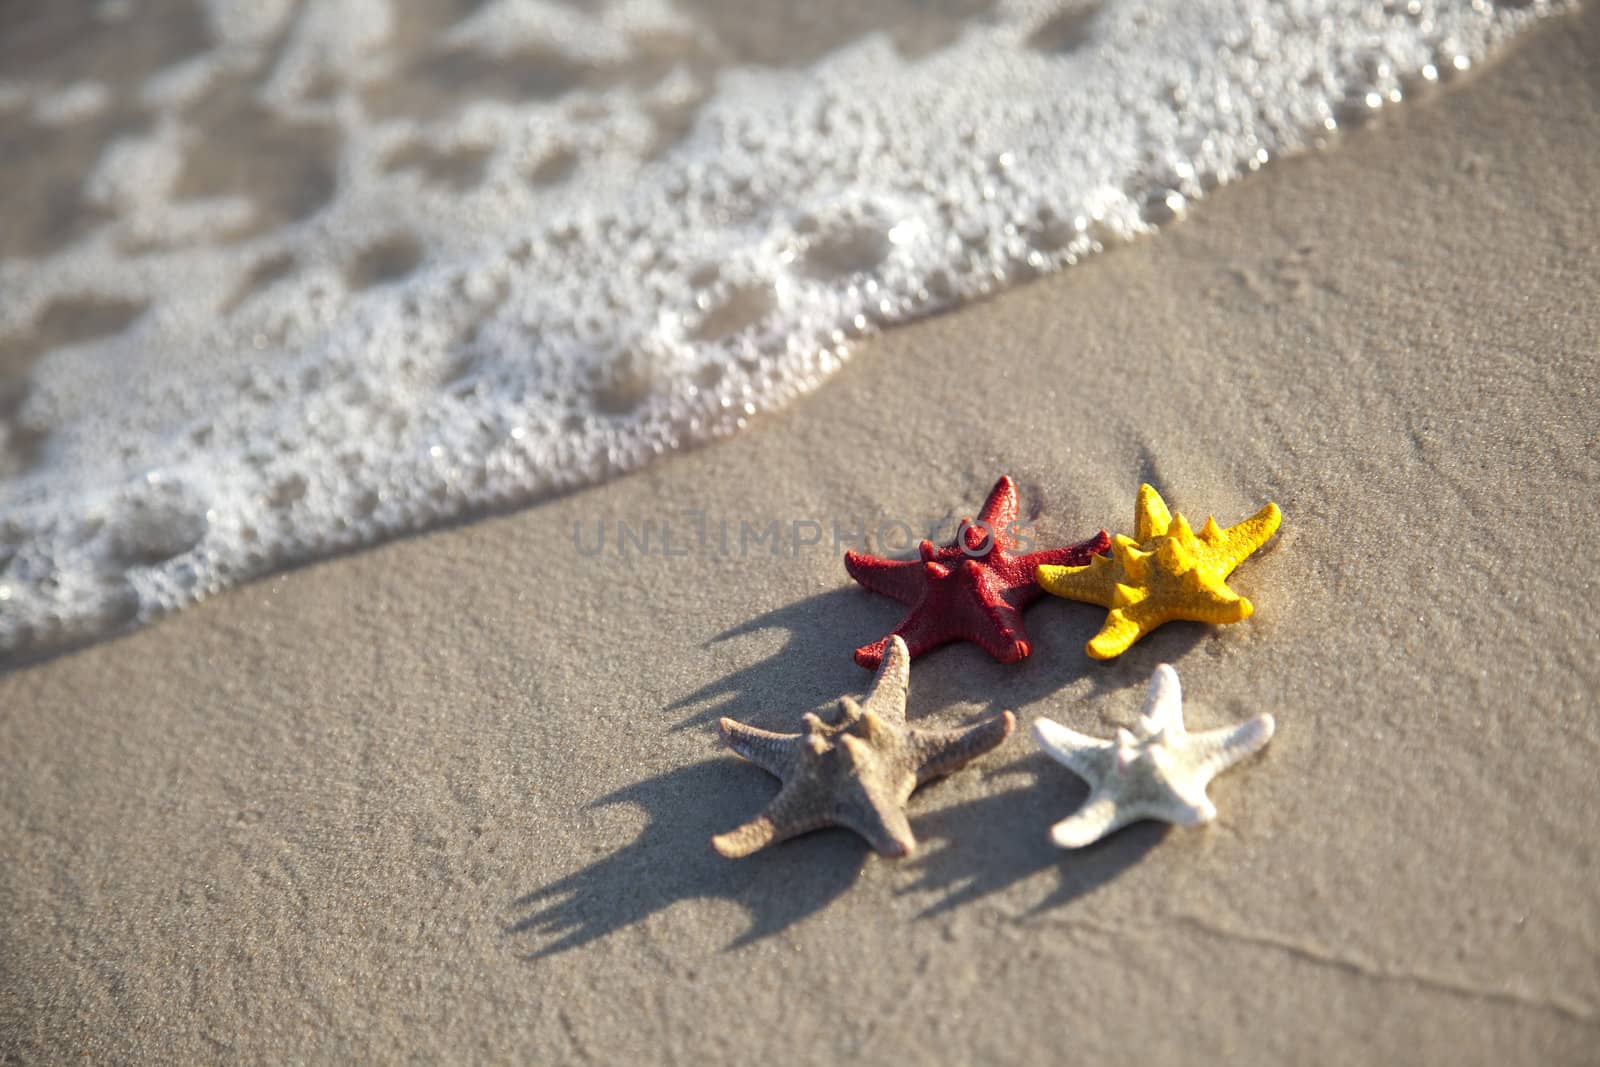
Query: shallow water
(279, 279)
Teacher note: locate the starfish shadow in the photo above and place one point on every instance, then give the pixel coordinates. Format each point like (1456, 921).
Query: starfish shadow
(1059, 629)
(812, 669)
(976, 859)
(814, 666)
(671, 860)
(1150, 466)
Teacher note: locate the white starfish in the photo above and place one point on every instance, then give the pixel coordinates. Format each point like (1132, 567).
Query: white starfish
(1157, 771)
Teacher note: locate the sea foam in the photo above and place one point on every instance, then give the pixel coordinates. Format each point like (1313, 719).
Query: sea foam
(339, 270)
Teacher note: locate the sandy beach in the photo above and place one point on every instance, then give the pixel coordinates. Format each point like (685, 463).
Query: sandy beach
(449, 799)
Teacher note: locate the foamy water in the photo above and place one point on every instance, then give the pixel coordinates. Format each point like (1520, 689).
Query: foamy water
(281, 279)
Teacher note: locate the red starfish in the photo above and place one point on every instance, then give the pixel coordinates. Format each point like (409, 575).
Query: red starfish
(973, 589)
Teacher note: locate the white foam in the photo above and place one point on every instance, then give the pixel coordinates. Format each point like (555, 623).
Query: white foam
(74, 103)
(471, 263)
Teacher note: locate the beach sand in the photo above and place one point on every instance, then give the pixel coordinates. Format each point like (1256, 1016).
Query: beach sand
(450, 799)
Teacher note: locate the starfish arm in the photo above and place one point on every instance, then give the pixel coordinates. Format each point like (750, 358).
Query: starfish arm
(1163, 702)
(1000, 510)
(1077, 555)
(887, 697)
(1081, 754)
(1123, 626)
(773, 753)
(1214, 751)
(1185, 805)
(938, 752)
(920, 631)
(789, 815)
(1243, 538)
(1092, 584)
(882, 822)
(1150, 515)
(1212, 602)
(753, 836)
(871, 655)
(898, 579)
(1003, 636)
(1099, 816)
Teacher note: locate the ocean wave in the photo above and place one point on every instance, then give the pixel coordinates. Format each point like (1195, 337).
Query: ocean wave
(279, 280)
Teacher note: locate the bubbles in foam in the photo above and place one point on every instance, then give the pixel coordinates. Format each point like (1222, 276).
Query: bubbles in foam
(377, 264)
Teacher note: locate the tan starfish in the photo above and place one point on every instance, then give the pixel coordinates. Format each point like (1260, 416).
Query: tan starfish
(857, 771)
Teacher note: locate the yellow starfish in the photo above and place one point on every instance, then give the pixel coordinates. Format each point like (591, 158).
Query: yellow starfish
(1163, 573)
